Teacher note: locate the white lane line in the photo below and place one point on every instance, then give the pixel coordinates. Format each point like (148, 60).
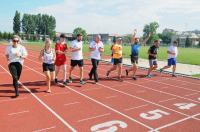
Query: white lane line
(94, 117)
(17, 113)
(110, 97)
(11, 100)
(73, 103)
(176, 122)
(45, 129)
(108, 107)
(128, 109)
(44, 104)
(191, 94)
(179, 87)
(90, 89)
(177, 96)
(146, 87)
(59, 93)
(148, 100)
(166, 100)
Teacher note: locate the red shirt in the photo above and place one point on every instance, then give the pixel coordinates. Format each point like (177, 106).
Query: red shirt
(60, 58)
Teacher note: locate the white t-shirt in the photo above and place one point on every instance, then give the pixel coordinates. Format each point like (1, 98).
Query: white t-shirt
(78, 55)
(48, 57)
(173, 49)
(11, 52)
(96, 54)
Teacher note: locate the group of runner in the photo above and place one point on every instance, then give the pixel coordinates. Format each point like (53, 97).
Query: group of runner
(55, 60)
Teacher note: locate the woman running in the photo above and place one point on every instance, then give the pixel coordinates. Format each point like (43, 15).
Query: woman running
(15, 54)
(47, 55)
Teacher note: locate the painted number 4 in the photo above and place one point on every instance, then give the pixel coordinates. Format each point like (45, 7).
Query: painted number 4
(110, 126)
(185, 106)
(153, 115)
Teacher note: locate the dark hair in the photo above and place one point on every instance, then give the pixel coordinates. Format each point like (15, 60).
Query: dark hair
(62, 36)
(79, 34)
(175, 42)
(156, 41)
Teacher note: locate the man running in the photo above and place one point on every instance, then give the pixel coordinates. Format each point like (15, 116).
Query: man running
(172, 54)
(77, 57)
(96, 48)
(153, 51)
(135, 47)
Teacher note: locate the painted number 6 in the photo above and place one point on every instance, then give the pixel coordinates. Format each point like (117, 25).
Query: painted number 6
(110, 126)
(153, 115)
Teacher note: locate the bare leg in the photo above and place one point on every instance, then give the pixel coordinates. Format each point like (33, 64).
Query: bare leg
(174, 69)
(57, 71)
(64, 73)
(119, 70)
(48, 81)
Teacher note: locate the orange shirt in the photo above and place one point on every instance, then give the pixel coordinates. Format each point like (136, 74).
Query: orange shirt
(117, 51)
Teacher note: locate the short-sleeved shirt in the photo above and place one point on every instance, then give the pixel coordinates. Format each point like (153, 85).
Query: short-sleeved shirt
(135, 49)
(173, 49)
(117, 51)
(61, 58)
(11, 52)
(96, 54)
(78, 55)
(153, 50)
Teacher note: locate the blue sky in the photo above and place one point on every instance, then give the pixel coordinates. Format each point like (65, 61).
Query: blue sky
(107, 16)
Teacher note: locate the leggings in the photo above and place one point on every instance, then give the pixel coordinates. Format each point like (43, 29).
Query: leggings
(93, 71)
(15, 70)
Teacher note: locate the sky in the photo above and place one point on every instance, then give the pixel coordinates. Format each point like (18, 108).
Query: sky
(107, 16)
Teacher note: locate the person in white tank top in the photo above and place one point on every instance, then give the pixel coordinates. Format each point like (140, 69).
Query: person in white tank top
(47, 56)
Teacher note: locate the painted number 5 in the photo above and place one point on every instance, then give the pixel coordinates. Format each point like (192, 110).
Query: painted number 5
(110, 126)
(153, 115)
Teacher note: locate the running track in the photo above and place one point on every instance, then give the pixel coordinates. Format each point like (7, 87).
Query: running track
(161, 103)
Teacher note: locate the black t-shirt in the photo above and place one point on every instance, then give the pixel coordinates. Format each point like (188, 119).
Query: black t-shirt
(153, 50)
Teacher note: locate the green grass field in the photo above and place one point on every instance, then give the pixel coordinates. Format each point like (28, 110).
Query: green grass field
(197, 75)
(186, 55)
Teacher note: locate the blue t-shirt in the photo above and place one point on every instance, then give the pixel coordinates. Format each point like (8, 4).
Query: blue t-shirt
(135, 49)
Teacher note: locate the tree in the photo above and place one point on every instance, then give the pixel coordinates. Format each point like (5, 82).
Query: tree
(167, 38)
(151, 28)
(5, 35)
(153, 38)
(199, 43)
(81, 31)
(188, 42)
(1, 35)
(16, 23)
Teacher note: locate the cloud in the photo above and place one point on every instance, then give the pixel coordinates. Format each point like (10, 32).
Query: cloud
(120, 16)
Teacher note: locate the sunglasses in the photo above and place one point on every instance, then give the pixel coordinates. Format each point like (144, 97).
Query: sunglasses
(15, 41)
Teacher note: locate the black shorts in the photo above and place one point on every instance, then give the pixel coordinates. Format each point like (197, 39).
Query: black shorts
(48, 67)
(77, 62)
(117, 61)
(134, 59)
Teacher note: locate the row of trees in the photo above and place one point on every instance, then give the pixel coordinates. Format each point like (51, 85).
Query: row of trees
(40, 24)
(6, 35)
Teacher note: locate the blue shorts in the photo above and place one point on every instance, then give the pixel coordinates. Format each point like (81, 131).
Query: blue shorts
(171, 61)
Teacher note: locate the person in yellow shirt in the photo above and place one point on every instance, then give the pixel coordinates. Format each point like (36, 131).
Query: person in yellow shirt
(117, 57)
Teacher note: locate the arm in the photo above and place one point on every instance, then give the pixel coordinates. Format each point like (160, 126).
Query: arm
(41, 54)
(133, 37)
(24, 53)
(91, 47)
(7, 57)
(149, 52)
(147, 38)
(101, 49)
